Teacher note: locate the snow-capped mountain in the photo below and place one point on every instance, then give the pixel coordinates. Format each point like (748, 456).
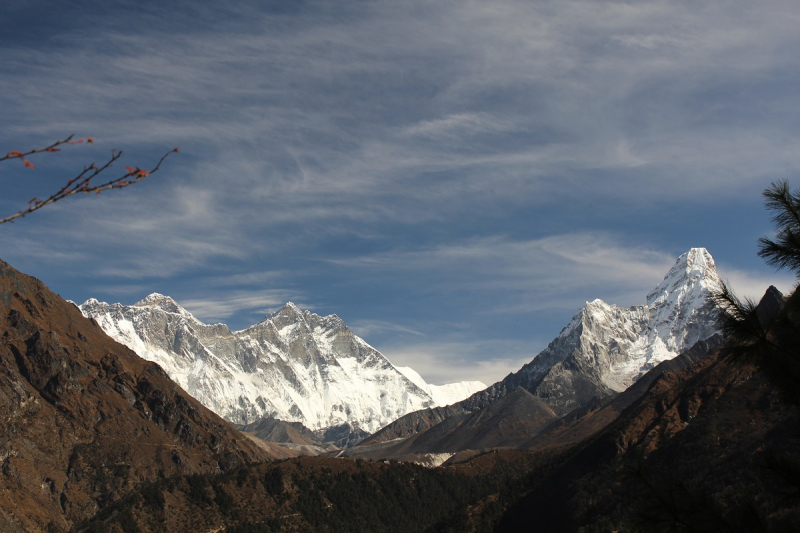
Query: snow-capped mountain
(602, 351)
(605, 348)
(294, 366)
(443, 394)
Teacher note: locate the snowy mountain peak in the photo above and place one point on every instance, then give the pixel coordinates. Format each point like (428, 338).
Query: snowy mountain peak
(291, 307)
(294, 365)
(596, 304)
(165, 303)
(605, 348)
(693, 272)
(289, 320)
(678, 314)
(288, 310)
(698, 255)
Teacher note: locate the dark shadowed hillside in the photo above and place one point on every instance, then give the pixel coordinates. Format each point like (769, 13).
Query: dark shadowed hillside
(322, 494)
(709, 448)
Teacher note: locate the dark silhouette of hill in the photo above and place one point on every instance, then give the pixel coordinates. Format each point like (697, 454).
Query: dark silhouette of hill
(319, 494)
(712, 447)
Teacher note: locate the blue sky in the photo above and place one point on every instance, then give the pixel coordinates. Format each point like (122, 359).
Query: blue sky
(453, 179)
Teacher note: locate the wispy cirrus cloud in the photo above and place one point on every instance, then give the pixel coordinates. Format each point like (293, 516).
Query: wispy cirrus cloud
(366, 328)
(448, 361)
(459, 126)
(218, 309)
(513, 156)
(256, 83)
(556, 271)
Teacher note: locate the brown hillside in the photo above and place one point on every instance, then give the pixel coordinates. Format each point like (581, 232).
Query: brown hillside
(594, 416)
(83, 420)
(712, 447)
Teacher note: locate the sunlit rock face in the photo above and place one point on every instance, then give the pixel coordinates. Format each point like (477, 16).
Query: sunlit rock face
(604, 348)
(295, 366)
(602, 351)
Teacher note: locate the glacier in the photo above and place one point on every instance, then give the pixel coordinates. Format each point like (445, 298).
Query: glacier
(442, 394)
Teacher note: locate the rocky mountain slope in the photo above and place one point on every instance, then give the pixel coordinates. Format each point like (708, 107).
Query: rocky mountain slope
(711, 447)
(705, 445)
(294, 366)
(602, 351)
(595, 415)
(84, 420)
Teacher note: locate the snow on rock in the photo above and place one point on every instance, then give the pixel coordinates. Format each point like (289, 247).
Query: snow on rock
(443, 394)
(605, 348)
(433, 460)
(678, 314)
(295, 366)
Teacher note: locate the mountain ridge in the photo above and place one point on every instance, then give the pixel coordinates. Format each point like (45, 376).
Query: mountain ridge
(293, 365)
(602, 350)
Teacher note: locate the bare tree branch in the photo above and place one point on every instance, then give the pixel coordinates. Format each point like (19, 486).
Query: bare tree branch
(82, 182)
(52, 148)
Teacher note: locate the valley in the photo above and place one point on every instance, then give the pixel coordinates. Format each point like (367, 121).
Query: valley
(97, 439)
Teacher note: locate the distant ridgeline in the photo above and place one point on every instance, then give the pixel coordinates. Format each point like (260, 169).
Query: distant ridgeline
(293, 366)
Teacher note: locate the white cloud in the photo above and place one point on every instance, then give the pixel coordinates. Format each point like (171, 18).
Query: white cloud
(460, 125)
(651, 41)
(441, 362)
(213, 310)
(753, 285)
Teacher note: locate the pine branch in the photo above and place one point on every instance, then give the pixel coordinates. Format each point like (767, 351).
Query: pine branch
(785, 205)
(784, 252)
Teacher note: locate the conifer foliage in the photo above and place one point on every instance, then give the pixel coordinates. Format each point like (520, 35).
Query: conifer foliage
(768, 332)
(784, 251)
